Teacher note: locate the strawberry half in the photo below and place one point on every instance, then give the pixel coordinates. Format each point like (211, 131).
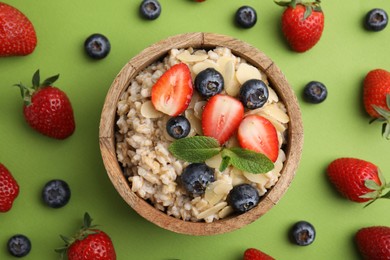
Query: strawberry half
(17, 33)
(221, 117)
(172, 92)
(258, 134)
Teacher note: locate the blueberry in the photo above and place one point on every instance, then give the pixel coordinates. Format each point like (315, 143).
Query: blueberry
(56, 193)
(209, 82)
(19, 245)
(302, 233)
(376, 20)
(243, 197)
(97, 46)
(150, 9)
(196, 177)
(315, 92)
(178, 127)
(246, 17)
(253, 93)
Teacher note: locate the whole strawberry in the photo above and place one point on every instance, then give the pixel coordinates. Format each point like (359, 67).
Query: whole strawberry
(17, 33)
(255, 254)
(47, 109)
(89, 243)
(9, 189)
(302, 24)
(374, 242)
(376, 98)
(357, 180)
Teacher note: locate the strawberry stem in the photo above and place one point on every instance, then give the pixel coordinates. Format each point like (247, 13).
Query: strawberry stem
(85, 230)
(377, 189)
(27, 92)
(384, 116)
(309, 6)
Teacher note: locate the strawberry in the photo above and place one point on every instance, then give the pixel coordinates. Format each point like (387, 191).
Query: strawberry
(9, 189)
(47, 109)
(374, 242)
(172, 92)
(302, 24)
(376, 98)
(17, 33)
(258, 134)
(357, 180)
(89, 243)
(221, 117)
(255, 254)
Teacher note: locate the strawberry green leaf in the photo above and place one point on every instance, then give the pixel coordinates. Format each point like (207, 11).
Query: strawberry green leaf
(383, 112)
(195, 149)
(247, 160)
(308, 11)
(370, 195)
(36, 81)
(388, 101)
(386, 196)
(386, 130)
(87, 220)
(50, 81)
(372, 185)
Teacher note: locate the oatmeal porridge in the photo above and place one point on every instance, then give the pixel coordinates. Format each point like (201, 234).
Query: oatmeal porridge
(143, 141)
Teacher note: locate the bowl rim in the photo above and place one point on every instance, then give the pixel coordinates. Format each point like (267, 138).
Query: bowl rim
(155, 52)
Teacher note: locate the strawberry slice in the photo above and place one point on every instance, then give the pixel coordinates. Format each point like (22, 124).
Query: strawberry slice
(258, 134)
(221, 117)
(172, 92)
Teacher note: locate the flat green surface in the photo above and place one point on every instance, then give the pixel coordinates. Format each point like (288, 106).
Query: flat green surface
(336, 128)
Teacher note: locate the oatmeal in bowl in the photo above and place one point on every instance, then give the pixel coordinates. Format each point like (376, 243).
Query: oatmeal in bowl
(201, 134)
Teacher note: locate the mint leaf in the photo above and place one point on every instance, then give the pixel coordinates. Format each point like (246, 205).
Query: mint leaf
(247, 160)
(224, 164)
(195, 149)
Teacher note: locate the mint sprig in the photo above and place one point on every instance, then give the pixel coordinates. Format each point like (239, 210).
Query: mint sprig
(195, 149)
(200, 148)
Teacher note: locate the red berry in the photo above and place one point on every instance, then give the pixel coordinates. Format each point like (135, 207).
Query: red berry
(258, 134)
(9, 189)
(356, 179)
(47, 109)
(89, 244)
(376, 98)
(302, 24)
(221, 117)
(17, 33)
(172, 92)
(255, 254)
(374, 242)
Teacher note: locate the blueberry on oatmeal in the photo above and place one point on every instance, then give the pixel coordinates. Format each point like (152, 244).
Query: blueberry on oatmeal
(178, 127)
(196, 177)
(243, 197)
(209, 82)
(253, 94)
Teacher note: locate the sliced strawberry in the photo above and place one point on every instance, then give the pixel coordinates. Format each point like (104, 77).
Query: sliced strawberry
(221, 117)
(172, 92)
(258, 134)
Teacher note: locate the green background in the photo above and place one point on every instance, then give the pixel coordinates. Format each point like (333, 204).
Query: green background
(336, 128)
